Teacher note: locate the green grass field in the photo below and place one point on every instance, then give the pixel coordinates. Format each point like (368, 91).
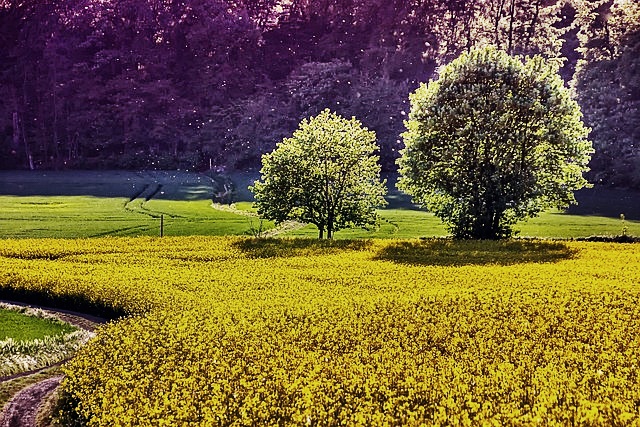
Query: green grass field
(83, 204)
(20, 327)
(94, 204)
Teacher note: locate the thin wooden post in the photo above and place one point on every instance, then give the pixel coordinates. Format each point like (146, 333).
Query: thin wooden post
(161, 225)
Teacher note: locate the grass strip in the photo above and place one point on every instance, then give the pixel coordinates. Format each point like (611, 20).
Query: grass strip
(20, 351)
(18, 326)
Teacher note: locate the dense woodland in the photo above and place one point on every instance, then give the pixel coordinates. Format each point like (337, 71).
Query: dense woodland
(194, 84)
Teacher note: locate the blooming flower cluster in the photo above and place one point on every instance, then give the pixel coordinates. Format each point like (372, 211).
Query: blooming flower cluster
(242, 332)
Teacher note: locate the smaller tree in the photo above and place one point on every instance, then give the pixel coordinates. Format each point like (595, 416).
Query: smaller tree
(326, 174)
(494, 140)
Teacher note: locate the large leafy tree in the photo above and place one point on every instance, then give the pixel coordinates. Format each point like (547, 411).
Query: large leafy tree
(326, 174)
(494, 140)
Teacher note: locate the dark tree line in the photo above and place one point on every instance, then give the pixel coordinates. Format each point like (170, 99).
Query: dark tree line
(200, 83)
(607, 84)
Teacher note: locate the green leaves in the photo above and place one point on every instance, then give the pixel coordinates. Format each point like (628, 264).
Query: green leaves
(493, 141)
(325, 174)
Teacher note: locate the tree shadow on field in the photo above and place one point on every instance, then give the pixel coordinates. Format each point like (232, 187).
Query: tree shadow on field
(73, 302)
(282, 247)
(444, 252)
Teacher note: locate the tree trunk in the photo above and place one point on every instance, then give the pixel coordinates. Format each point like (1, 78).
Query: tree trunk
(496, 28)
(27, 152)
(512, 17)
(496, 225)
(56, 147)
(532, 28)
(16, 131)
(320, 233)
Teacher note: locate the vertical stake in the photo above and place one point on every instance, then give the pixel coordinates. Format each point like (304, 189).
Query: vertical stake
(161, 225)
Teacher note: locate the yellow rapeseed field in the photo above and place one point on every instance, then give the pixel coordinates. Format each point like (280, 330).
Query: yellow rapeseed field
(241, 332)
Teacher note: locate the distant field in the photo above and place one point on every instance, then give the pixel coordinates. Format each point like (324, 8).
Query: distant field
(93, 204)
(115, 203)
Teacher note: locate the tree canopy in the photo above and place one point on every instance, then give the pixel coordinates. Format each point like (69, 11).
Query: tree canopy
(492, 141)
(326, 174)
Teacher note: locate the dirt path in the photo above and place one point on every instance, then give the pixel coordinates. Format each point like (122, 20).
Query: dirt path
(280, 229)
(22, 409)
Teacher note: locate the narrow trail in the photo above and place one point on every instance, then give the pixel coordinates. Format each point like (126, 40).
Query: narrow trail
(273, 232)
(23, 408)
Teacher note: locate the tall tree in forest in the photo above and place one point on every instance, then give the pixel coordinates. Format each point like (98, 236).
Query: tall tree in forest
(25, 80)
(525, 27)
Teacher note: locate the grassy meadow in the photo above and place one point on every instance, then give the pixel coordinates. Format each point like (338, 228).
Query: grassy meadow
(237, 331)
(95, 204)
(21, 327)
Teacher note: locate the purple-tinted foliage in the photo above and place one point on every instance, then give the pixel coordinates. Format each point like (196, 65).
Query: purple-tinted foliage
(123, 83)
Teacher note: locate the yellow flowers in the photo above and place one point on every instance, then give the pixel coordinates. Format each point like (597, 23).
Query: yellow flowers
(229, 331)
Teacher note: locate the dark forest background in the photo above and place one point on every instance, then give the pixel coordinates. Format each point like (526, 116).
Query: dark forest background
(193, 84)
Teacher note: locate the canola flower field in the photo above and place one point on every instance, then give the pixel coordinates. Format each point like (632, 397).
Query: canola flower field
(243, 332)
